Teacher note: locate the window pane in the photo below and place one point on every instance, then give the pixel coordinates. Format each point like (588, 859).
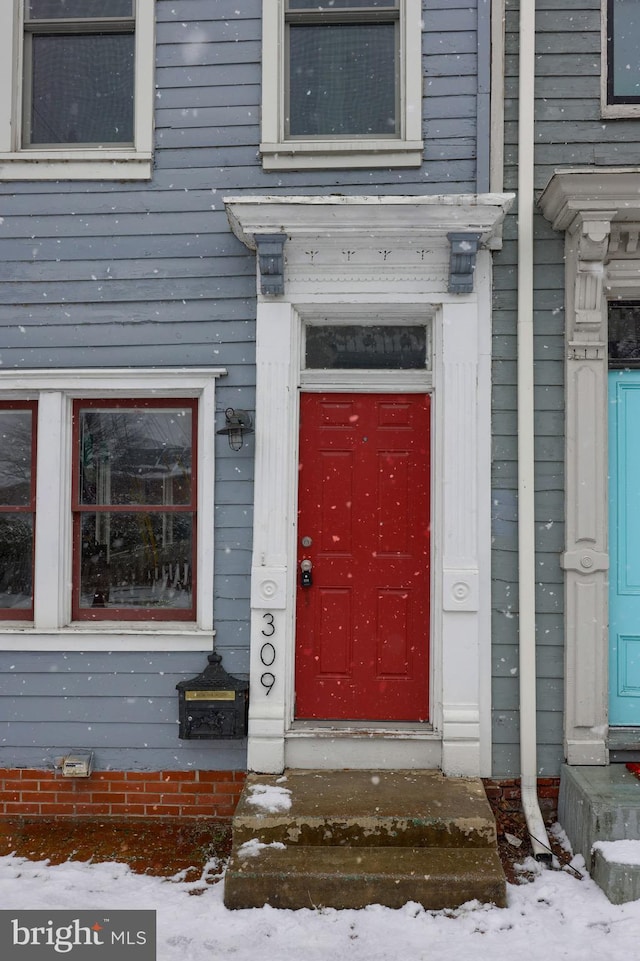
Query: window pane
(82, 88)
(136, 560)
(342, 80)
(373, 348)
(135, 456)
(16, 561)
(624, 335)
(15, 458)
(624, 50)
(16, 511)
(78, 9)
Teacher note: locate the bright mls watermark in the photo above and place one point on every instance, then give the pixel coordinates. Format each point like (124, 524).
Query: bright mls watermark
(78, 935)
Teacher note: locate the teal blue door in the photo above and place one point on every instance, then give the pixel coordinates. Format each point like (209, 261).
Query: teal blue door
(624, 547)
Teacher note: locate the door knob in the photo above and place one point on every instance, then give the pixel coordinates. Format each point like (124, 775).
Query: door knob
(305, 573)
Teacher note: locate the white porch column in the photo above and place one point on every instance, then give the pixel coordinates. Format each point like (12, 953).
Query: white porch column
(271, 621)
(460, 519)
(586, 559)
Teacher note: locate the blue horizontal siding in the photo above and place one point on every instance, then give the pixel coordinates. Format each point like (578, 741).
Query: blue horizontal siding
(148, 274)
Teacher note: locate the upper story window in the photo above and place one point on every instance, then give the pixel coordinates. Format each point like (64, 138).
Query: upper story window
(79, 76)
(81, 106)
(620, 58)
(343, 68)
(346, 91)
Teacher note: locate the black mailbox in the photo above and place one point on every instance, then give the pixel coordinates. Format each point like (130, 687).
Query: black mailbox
(214, 704)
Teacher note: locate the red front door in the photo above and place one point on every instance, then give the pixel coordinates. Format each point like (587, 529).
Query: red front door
(362, 636)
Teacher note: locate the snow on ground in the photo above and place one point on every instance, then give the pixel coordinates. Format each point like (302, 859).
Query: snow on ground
(554, 915)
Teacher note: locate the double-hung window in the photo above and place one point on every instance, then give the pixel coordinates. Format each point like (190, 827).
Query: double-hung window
(76, 90)
(620, 58)
(106, 523)
(134, 509)
(341, 83)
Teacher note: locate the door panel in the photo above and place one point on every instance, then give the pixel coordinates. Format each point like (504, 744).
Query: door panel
(362, 648)
(624, 548)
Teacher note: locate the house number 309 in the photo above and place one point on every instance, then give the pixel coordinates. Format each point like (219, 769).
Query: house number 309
(268, 653)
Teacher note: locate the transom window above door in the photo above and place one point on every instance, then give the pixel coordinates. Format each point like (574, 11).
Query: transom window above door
(624, 335)
(368, 347)
(341, 81)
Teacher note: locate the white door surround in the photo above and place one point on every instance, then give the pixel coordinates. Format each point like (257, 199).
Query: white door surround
(599, 210)
(383, 260)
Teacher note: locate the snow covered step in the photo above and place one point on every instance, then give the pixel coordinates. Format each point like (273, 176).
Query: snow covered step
(346, 839)
(365, 808)
(347, 877)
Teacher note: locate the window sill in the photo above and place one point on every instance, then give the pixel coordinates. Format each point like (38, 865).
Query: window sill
(313, 154)
(105, 637)
(611, 111)
(75, 165)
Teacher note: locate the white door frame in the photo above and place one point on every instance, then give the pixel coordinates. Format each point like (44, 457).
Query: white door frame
(599, 210)
(388, 256)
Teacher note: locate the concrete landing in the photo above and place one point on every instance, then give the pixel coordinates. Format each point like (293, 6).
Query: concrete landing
(602, 804)
(345, 839)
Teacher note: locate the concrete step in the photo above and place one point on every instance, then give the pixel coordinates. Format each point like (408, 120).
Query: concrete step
(367, 809)
(345, 839)
(313, 877)
(615, 868)
(599, 809)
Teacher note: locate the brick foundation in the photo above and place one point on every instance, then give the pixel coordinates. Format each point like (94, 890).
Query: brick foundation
(506, 796)
(33, 793)
(149, 794)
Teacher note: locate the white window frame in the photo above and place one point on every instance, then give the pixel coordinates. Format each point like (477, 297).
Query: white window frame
(52, 627)
(610, 109)
(280, 153)
(64, 162)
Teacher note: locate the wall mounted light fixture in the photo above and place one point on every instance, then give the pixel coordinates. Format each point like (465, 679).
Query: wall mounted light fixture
(237, 424)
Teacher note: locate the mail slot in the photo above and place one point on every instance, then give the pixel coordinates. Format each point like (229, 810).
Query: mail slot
(214, 704)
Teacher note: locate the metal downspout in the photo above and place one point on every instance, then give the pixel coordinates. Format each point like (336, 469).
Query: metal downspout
(526, 457)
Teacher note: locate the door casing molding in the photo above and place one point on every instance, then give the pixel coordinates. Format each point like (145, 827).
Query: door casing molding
(334, 263)
(599, 210)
